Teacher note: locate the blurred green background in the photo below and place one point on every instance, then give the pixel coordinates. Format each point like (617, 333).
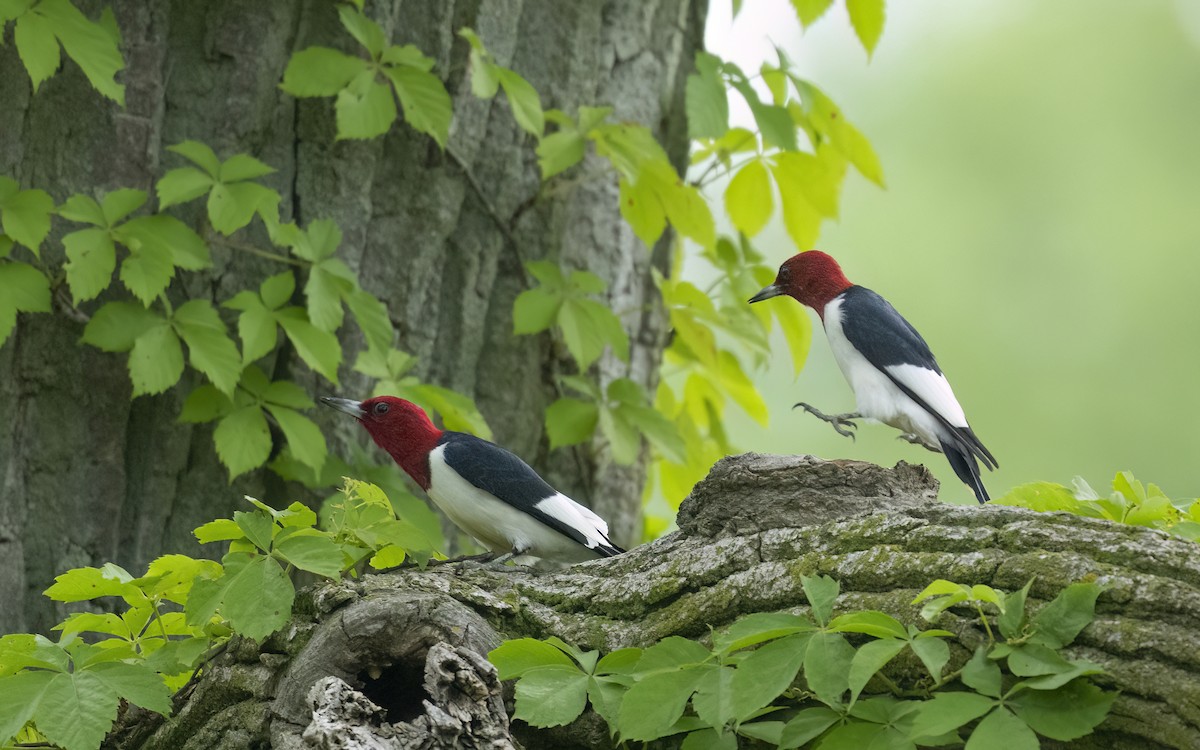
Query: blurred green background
(1041, 227)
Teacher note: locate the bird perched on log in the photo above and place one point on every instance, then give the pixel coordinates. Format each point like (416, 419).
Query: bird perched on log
(485, 490)
(894, 376)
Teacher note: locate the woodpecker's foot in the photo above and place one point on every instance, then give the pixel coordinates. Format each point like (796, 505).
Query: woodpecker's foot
(910, 437)
(841, 422)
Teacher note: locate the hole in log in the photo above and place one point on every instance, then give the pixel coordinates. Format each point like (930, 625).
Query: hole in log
(398, 688)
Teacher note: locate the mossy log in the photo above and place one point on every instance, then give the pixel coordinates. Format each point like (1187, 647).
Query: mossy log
(747, 534)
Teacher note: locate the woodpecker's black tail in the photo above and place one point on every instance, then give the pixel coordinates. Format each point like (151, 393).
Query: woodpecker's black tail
(967, 468)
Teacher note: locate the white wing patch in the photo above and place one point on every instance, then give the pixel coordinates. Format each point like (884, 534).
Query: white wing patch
(582, 519)
(932, 388)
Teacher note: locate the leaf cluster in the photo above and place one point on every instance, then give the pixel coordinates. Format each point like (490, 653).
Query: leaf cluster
(67, 692)
(789, 680)
(1130, 502)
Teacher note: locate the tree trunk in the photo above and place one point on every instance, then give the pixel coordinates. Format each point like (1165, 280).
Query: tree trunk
(747, 534)
(88, 476)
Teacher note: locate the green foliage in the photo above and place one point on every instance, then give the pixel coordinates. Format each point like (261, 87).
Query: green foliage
(1129, 502)
(365, 104)
(822, 678)
(67, 692)
(487, 77)
(42, 25)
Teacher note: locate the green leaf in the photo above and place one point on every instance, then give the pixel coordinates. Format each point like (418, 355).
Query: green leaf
(1056, 624)
(182, 185)
(871, 622)
(76, 710)
(210, 349)
(1032, 660)
(258, 526)
(256, 329)
(821, 592)
(1055, 681)
(312, 550)
(757, 627)
(243, 440)
(320, 71)
(146, 272)
(827, 665)
(1064, 714)
(808, 178)
(641, 209)
(277, 289)
(763, 675)
(232, 206)
(982, 674)
(810, 10)
(319, 349)
(706, 100)
(289, 394)
(37, 47)
(515, 657)
(1012, 619)
(136, 683)
(303, 436)
(425, 101)
(116, 326)
(523, 98)
(254, 594)
(366, 31)
(89, 44)
(653, 705)
(933, 653)
(587, 327)
(243, 167)
(671, 653)
(156, 360)
(866, 16)
(21, 694)
(946, 712)
(535, 310)
(83, 584)
(372, 318)
(220, 530)
(167, 237)
(570, 421)
(24, 287)
(869, 659)
(326, 286)
(748, 198)
(319, 241)
(807, 725)
(83, 209)
(365, 108)
(559, 152)
(199, 154)
(551, 696)
(25, 214)
(714, 701)
(1000, 730)
(120, 203)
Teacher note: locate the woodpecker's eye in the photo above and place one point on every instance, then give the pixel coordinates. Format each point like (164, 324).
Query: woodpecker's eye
(380, 408)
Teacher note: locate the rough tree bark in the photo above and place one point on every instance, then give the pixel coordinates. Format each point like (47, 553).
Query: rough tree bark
(747, 535)
(87, 476)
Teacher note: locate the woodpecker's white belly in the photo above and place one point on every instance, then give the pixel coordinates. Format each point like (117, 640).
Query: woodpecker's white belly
(879, 398)
(494, 523)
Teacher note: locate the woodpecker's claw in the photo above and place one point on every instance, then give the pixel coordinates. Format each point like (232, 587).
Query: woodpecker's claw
(915, 439)
(840, 422)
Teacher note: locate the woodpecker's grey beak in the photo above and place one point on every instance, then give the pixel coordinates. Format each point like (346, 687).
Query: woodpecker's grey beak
(353, 408)
(767, 293)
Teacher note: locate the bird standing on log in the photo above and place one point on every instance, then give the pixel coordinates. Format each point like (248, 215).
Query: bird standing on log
(894, 376)
(485, 490)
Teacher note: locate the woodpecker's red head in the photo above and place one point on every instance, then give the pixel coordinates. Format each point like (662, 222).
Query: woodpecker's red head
(813, 278)
(400, 427)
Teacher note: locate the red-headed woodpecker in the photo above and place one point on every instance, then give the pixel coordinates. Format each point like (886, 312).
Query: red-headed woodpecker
(893, 374)
(485, 490)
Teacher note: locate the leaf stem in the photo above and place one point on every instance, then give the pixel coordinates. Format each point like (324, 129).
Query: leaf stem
(234, 245)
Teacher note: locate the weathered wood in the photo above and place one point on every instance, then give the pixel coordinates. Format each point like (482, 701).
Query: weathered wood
(747, 534)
